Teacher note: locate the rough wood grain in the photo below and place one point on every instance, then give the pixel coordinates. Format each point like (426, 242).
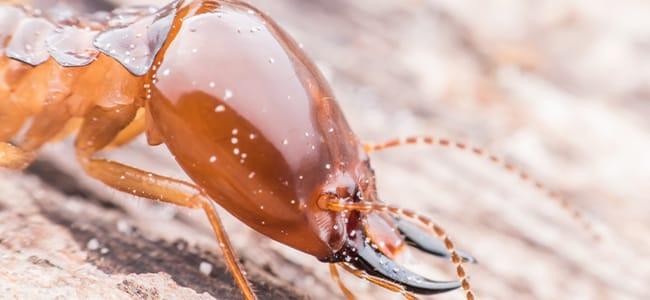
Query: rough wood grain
(560, 87)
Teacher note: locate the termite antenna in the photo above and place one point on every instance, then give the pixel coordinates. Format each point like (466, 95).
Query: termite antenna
(575, 213)
(338, 205)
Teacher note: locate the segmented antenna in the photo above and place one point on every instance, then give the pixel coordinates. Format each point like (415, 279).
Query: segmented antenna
(576, 214)
(335, 204)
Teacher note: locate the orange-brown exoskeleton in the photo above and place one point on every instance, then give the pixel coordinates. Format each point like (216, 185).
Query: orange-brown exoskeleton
(244, 112)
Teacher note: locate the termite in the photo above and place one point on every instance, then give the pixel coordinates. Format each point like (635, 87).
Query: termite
(245, 113)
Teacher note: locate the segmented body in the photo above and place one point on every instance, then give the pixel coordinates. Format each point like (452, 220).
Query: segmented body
(50, 61)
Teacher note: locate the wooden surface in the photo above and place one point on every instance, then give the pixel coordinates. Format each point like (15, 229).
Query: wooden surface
(559, 87)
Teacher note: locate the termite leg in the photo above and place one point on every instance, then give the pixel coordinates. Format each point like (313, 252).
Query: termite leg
(46, 125)
(337, 278)
(227, 249)
(576, 214)
(69, 129)
(379, 282)
(12, 118)
(14, 158)
(39, 93)
(13, 114)
(133, 130)
(100, 128)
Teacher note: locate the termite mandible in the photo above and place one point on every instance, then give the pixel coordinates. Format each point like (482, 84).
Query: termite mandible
(246, 114)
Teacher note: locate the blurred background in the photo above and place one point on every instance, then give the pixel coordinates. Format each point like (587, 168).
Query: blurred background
(561, 88)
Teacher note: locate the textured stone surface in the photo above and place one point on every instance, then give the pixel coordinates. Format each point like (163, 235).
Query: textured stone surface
(56, 245)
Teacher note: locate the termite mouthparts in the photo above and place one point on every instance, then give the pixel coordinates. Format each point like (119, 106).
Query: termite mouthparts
(245, 113)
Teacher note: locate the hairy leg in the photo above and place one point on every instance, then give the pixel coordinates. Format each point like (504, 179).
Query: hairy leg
(378, 281)
(130, 132)
(100, 128)
(337, 278)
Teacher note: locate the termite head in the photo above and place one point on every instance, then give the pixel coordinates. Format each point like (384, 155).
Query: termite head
(377, 234)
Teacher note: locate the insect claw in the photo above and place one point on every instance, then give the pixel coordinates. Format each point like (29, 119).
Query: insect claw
(378, 265)
(420, 239)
